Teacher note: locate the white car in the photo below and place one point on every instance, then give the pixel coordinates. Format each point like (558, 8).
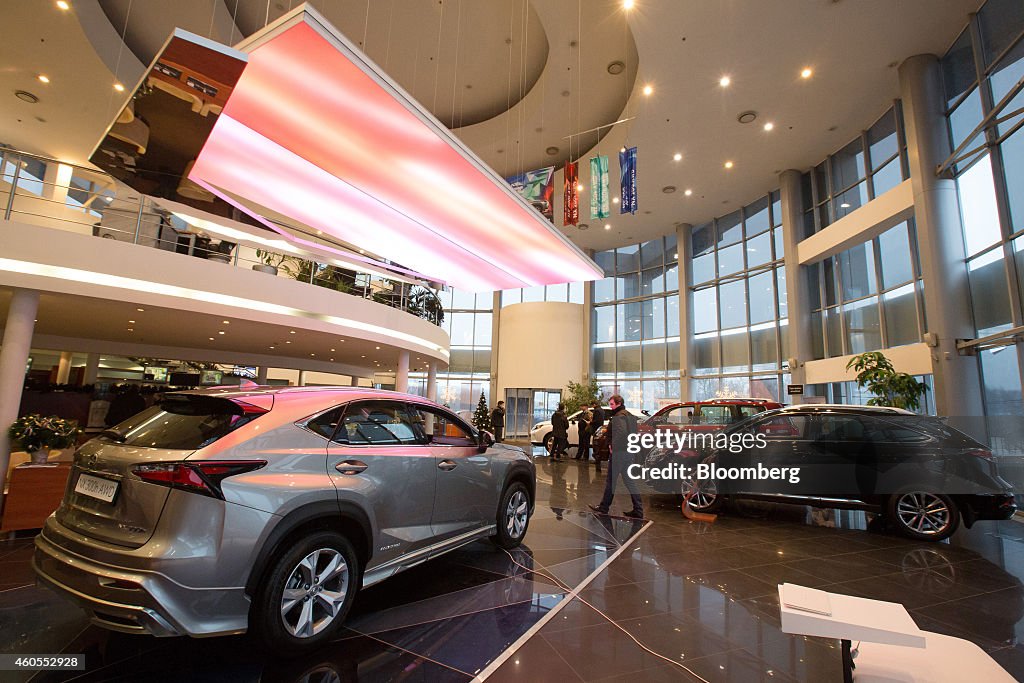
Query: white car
(541, 432)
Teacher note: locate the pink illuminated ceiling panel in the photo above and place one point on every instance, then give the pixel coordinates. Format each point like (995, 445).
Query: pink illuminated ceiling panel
(314, 132)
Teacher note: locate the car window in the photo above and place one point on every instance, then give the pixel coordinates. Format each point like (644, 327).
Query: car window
(377, 423)
(680, 415)
(326, 423)
(715, 415)
(747, 411)
(783, 427)
(883, 431)
(840, 428)
(440, 428)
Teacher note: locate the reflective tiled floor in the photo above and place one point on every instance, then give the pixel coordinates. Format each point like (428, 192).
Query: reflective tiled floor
(701, 594)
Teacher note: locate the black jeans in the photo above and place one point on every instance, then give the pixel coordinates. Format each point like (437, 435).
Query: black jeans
(560, 446)
(498, 432)
(617, 468)
(583, 451)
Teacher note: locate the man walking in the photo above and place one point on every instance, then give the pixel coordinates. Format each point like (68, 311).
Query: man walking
(621, 424)
(597, 418)
(498, 420)
(560, 433)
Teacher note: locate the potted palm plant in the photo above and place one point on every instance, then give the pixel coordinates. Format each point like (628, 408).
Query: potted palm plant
(37, 435)
(271, 262)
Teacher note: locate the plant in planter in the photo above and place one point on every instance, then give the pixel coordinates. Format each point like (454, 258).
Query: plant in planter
(876, 373)
(273, 261)
(36, 434)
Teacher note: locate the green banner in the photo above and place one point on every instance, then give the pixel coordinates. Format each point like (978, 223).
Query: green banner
(599, 187)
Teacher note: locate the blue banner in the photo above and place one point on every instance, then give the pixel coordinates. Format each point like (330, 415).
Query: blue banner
(627, 177)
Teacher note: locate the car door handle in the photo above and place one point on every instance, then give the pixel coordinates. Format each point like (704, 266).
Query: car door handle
(351, 466)
(447, 465)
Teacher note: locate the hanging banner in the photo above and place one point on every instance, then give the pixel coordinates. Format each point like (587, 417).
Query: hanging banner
(538, 188)
(627, 175)
(572, 195)
(599, 187)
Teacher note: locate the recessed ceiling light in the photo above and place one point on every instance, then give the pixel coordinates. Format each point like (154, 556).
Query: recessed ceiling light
(312, 354)
(332, 359)
(688, 192)
(332, 349)
(552, 150)
(668, 189)
(131, 322)
(362, 356)
(648, 90)
(806, 73)
(615, 200)
(677, 156)
(43, 78)
(131, 329)
(287, 342)
(728, 164)
(271, 347)
(226, 322)
(844, 205)
(747, 116)
(118, 87)
(615, 68)
(724, 81)
(769, 125)
(220, 331)
(291, 331)
(607, 226)
(141, 310)
(583, 226)
(675, 255)
(211, 338)
(378, 348)
(63, 4)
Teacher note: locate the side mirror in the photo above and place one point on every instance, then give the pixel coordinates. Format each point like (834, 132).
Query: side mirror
(485, 441)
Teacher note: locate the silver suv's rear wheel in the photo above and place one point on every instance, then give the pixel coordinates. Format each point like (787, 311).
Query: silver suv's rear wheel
(307, 593)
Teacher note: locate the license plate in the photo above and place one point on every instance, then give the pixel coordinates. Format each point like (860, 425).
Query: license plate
(96, 487)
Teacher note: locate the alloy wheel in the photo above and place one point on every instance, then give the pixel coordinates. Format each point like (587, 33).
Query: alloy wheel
(314, 592)
(516, 514)
(703, 495)
(924, 513)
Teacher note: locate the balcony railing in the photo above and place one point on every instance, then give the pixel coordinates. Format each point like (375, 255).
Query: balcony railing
(54, 194)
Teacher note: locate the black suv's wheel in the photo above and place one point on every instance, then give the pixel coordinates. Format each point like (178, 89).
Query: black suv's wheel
(513, 516)
(703, 494)
(307, 593)
(923, 516)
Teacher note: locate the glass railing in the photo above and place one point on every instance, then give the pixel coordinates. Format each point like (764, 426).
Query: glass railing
(54, 194)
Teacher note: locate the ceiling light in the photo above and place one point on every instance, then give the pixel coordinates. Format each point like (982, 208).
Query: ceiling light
(583, 226)
(226, 322)
(688, 193)
(141, 310)
(677, 156)
(648, 90)
(806, 73)
(118, 87)
(63, 4)
(579, 187)
(211, 338)
(291, 331)
(728, 164)
(131, 329)
(43, 78)
(552, 150)
(616, 67)
(769, 125)
(607, 226)
(747, 116)
(724, 81)
(287, 342)
(675, 255)
(131, 322)
(844, 205)
(271, 348)
(668, 189)
(615, 200)
(627, 4)
(26, 96)
(220, 331)
(332, 349)
(378, 348)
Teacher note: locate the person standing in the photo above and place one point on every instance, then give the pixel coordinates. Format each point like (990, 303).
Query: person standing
(597, 418)
(583, 429)
(560, 433)
(498, 420)
(621, 424)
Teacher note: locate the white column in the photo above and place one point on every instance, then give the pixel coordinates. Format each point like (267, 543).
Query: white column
(686, 347)
(940, 238)
(432, 380)
(92, 368)
(797, 297)
(64, 367)
(302, 378)
(261, 374)
(355, 381)
(14, 353)
(402, 372)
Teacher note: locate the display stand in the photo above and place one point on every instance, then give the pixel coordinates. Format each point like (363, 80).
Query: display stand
(891, 646)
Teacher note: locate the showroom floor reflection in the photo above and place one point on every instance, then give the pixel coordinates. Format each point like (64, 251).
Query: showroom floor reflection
(700, 594)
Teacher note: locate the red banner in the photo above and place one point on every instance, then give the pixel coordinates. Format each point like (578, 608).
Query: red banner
(572, 193)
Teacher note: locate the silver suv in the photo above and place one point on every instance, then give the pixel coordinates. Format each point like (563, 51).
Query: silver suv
(222, 510)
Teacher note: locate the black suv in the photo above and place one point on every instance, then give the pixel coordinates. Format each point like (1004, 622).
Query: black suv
(918, 472)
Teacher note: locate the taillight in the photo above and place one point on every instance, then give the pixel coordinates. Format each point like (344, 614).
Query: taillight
(203, 477)
(980, 453)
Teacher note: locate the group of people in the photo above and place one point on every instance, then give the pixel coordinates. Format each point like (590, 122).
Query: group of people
(621, 423)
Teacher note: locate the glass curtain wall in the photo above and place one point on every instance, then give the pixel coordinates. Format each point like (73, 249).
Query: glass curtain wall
(739, 303)
(571, 293)
(468, 321)
(981, 72)
(635, 323)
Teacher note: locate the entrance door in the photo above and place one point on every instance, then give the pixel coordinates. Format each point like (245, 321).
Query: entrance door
(526, 407)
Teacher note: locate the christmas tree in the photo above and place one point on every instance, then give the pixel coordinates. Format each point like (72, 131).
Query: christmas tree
(482, 416)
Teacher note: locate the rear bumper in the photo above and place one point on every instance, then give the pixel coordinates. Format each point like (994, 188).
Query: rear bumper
(131, 600)
(996, 506)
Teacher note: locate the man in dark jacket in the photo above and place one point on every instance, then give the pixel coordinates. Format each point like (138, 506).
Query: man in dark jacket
(560, 433)
(621, 424)
(498, 420)
(597, 418)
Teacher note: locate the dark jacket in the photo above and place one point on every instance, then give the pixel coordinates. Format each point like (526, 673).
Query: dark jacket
(498, 417)
(597, 419)
(622, 424)
(559, 425)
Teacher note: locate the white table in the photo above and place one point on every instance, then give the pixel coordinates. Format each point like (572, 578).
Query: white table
(892, 648)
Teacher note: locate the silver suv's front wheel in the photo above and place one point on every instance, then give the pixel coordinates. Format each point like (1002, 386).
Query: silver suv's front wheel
(306, 594)
(513, 516)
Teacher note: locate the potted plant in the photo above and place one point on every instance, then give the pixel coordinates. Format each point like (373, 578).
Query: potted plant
(36, 435)
(876, 373)
(272, 261)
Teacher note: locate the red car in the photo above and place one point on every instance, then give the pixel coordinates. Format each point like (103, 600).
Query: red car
(711, 416)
